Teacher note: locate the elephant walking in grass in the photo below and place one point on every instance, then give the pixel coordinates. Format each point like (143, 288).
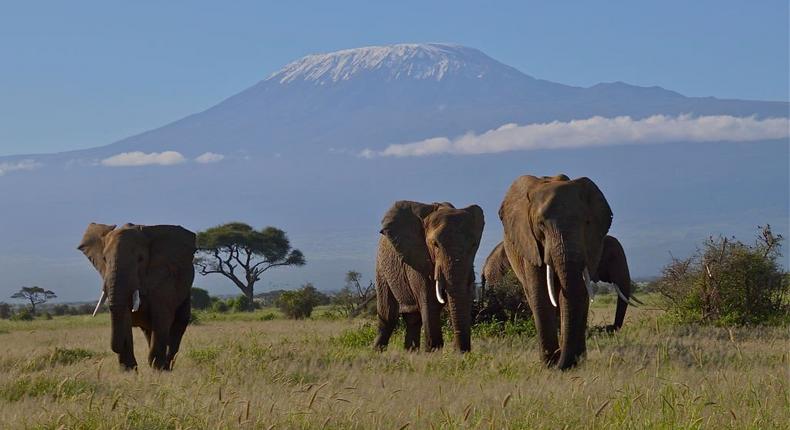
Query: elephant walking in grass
(554, 234)
(147, 275)
(612, 269)
(425, 260)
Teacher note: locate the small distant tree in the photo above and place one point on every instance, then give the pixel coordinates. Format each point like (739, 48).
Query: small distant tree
(354, 298)
(242, 254)
(728, 282)
(34, 295)
(200, 299)
(299, 304)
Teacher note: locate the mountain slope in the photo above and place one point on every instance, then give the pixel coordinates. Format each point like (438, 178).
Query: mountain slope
(291, 142)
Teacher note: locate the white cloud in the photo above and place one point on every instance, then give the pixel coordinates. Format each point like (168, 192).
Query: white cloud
(209, 157)
(596, 131)
(137, 158)
(27, 164)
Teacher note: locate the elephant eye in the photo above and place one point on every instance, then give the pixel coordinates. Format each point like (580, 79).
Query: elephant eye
(140, 259)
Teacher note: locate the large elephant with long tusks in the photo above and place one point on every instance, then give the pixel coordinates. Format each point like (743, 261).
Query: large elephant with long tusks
(612, 269)
(147, 275)
(554, 233)
(426, 260)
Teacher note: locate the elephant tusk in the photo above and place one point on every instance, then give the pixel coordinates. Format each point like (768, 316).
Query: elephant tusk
(550, 283)
(623, 297)
(588, 283)
(439, 293)
(98, 304)
(136, 300)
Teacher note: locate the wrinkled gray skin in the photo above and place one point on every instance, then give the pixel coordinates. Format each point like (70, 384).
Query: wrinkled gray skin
(420, 244)
(559, 222)
(613, 268)
(156, 261)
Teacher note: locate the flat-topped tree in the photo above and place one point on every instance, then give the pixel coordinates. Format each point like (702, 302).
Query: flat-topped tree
(34, 295)
(242, 254)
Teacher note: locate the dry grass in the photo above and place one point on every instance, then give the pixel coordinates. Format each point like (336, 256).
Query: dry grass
(323, 374)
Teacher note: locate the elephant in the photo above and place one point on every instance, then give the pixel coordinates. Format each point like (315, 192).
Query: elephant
(554, 229)
(612, 269)
(502, 297)
(425, 260)
(147, 275)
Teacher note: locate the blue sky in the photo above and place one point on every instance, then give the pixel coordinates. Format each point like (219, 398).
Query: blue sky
(82, 74)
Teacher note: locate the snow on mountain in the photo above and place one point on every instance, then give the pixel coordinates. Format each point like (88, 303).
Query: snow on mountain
(430, 61)
(284, 152)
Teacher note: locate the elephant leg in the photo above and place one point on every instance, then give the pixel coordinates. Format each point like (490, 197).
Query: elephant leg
(413, 326)
(544, 313)
(432, 325)
(387, 309)
(160, 340)
(180, 323)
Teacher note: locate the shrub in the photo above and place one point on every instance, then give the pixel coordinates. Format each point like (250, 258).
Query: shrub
(219, 306)
(299, 304)
(23, 315)
(728, 283)
(200, 299)
(504, 301)
(5, 311)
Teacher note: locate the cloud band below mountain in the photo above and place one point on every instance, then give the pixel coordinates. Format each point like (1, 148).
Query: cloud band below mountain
(596, 131)
(27, 164)
(138, 158)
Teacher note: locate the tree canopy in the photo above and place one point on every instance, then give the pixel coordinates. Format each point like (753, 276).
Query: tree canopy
(34, 295)
(242, 254)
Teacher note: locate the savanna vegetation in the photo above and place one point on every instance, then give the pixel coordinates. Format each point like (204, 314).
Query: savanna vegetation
(689, 358)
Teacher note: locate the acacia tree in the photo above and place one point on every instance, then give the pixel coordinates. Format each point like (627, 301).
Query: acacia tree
(242, 254)
(35, 295)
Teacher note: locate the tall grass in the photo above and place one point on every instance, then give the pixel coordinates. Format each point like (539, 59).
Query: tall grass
(248, 373)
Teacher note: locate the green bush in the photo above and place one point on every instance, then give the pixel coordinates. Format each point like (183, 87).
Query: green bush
(728, 283)
(219, 306)
(5, 311)
(299, 304)
(200, 299)
(503, 301)
(24, 314)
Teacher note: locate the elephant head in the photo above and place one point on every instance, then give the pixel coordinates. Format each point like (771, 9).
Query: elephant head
(129, 259)
(440, 242)
(558, 225)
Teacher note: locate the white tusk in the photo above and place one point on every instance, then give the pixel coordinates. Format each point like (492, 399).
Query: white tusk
(136, 300)
(588, 283)
(550, 283)
(439, 293)
(623, 297)
(98, 305)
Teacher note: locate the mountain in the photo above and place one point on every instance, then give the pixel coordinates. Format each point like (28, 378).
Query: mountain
(286, 152)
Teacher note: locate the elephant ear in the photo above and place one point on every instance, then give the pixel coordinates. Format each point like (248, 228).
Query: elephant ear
(600, 222)
(171, 247)
(478, 221)
(92, 244)
(515, 213)
(403, 226)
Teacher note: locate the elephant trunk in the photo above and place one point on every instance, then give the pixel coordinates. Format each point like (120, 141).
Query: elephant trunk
(574, 306)
(120, 298)
(623, 289)
(572, 296)
(459, 298)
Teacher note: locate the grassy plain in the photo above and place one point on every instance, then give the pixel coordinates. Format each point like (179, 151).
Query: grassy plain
(250, 371)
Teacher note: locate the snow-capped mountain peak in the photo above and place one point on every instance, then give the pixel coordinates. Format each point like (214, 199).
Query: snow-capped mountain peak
(430, 61)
